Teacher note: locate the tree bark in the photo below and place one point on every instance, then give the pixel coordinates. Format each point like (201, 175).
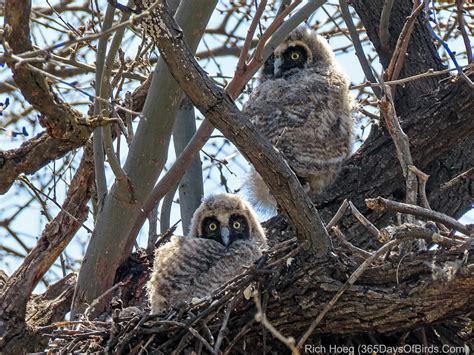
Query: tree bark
(57, 234)
(443, 151)
(393, 298)
(434, 114)
(20, 336)
(109, 243)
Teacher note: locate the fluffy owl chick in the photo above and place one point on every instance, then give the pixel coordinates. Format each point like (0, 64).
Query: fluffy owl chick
(225, 238)
(303, 106)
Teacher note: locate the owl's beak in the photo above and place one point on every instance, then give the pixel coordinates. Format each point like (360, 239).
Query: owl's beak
(277, 67)
(225, 234)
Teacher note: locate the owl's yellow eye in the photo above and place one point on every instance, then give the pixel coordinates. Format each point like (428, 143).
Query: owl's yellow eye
(212, 226)
(295, 55)
(236, 225)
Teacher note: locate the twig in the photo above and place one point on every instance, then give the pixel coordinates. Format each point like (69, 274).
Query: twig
(402, 144)
(258, 57)
(225, 320)
(286, 257)
(361, 252)
(36, 193)
(382, 204)
(198, 336)
(241, 64)
(359, 50)
(208, 332)
(262, 318)
(165, 213)
(63, 324)
(452, 55)
(364, 221)
(242, 332)
(410, 231)
(114, 163)
(426, 74)
(384, 34)
(462, 29)
(98, 299)
(128, 336)
(398, 57)
(33, 187)
(340, 212)
(422, 180)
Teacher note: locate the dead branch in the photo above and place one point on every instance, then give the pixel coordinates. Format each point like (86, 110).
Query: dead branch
(381, 204)
(55, 237)
(432, 288)
(221, 111)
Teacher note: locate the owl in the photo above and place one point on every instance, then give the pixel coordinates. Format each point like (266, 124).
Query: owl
(225, 238)
(303, 106)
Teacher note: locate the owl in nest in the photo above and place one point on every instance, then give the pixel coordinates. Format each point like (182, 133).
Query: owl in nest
(225, 238)
(303, 106)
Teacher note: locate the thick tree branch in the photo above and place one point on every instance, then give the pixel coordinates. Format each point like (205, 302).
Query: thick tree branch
(44, 309)
(59, 118)
(30, 157)
(55, 237)
(216, 105)
(441, 152)
(65, 130)
(381, 204)
(426, 302)
(420, 56)
(142, 166)
(382, 296)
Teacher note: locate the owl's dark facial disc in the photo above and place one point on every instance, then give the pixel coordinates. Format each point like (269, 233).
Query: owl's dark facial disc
(268, 67)
(237, 228)
(211, 228)
(294, 57)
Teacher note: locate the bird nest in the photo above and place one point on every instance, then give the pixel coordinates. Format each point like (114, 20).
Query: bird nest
(201, 325)
(234, 318)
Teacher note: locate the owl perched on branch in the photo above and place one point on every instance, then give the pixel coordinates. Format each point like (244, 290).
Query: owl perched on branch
(303, 106)
(225, 238)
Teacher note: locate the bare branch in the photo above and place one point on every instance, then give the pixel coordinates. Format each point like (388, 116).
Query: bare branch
(462, 29)
(384, 34)
(381, 204)
(398, 56)
(364, 221)
(346, 15)
(221, 111)
(262, 318)
(402, 145)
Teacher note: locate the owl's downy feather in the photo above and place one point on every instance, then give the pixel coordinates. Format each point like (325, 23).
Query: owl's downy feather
(196, 265)
(303, 106)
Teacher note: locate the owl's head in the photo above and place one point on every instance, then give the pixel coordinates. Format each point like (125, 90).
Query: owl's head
(302, 48)
(226, 218)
